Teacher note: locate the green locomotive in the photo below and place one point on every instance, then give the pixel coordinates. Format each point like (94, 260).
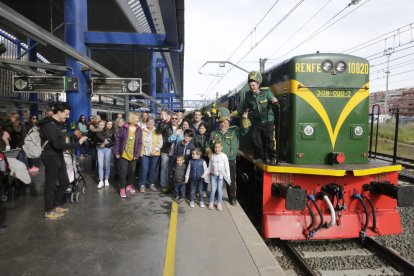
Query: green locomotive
(323, 181)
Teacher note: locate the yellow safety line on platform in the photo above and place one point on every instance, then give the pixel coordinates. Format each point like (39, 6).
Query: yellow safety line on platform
(172, 238)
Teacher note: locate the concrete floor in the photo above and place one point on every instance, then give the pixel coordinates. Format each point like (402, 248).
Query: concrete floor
(106, 235)
(102, 235)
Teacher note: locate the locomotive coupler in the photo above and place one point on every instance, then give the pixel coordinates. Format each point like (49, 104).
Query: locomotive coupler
(403, 194)
(294, 196)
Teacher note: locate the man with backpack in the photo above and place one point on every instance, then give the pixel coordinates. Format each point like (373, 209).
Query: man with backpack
(53, 141)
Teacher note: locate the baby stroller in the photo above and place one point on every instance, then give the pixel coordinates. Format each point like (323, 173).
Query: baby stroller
(4, 178)
(12, 172)
(75, 176)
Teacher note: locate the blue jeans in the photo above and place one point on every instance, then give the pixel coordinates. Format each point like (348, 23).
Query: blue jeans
(180, 190)
(104, 162)
(216, 185)
(165, 169)
(197, 184)
(147, 170)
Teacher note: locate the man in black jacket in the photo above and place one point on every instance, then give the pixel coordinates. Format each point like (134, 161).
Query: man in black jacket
(165, 129)
(54, 144)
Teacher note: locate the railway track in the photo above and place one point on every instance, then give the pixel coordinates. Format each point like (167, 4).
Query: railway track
(405, 162)
(344, 257)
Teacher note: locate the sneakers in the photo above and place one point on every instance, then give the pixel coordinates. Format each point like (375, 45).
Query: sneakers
(233, 202)
(122, 193)
(211, 206)
(34, 169)
(130, 189)
(192, 204)
(53, 215)
(142, 189)
(181, 200)
(152, 188)
(106, 183)
(61, 210)
(100, 184)
(219, 207)
(202, 204)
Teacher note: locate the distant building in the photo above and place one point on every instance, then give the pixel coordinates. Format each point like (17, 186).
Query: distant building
(402, 97)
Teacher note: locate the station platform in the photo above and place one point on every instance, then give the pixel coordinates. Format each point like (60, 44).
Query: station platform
(144, 234)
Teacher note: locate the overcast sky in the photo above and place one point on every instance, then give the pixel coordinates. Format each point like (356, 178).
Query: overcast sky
(215, 29)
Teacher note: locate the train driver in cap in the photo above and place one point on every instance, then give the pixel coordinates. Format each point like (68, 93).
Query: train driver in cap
(258, 102)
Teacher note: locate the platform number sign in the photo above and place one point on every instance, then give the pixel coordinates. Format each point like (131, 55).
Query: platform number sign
(113, 86)
(54, 84)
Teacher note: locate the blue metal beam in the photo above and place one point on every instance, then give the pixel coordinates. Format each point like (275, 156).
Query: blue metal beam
(34, 108)
(76, 24)
(116, 38)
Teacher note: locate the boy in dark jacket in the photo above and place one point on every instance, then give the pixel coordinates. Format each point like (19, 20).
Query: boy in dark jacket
(196, 172)
(178, 176)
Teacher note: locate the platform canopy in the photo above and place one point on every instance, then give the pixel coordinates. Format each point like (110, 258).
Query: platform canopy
(120, 38)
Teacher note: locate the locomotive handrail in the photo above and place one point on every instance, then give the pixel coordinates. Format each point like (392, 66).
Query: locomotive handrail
(278, 134)
(372, 129)
(397, 123)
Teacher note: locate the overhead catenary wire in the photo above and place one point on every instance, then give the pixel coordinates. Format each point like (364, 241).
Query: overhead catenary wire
(271, 30)
(253, 30)
(263, 38)
(301, 27)
(391, 60)
(323, 28)
(249, 35)
(379, 39)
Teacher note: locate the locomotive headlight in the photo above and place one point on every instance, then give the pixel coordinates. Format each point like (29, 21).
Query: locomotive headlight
(327, 66)
(340, 67)
(358, 131)
(308, 130)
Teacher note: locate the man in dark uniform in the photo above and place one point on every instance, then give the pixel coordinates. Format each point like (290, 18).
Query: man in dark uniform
(258, 102)
(53, 142)
(228, 137)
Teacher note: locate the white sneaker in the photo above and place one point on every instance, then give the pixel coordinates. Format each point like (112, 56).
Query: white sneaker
(100, 184)
(106, 183)
(202, 205)
(192, 204)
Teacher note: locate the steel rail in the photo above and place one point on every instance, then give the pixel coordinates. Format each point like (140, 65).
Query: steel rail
(391, 256)
(298, 258)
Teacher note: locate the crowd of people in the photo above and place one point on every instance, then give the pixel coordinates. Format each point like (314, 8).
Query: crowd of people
(170, 152)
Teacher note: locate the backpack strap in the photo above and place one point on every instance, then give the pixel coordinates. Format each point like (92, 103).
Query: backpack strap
(44, 145)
